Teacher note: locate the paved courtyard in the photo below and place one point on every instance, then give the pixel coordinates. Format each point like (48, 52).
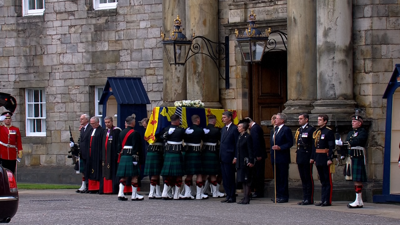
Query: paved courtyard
(67, 207)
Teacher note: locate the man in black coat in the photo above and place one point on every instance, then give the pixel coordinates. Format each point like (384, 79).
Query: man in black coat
(84, 142)
(95, 155)
(109, 182)
(257, 136)
(229, 136)
(304, 141)
(281, 142)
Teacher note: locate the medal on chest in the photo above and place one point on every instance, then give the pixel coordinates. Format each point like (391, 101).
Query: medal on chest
(304, 135)
(322, 136)
(13, 132)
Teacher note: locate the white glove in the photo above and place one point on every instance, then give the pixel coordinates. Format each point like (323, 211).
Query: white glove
(171, 130)
(189, 131)
(2, 118)
(339, 142)
(134, 163)
(206, 131)
(342, 157)
(71, 144)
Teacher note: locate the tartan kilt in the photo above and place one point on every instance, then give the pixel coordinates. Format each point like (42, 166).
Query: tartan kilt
(193, 163)
(82, 166)
(153, 164)
(358, 169)
(211, 165)
(126, 167)
(172, 165)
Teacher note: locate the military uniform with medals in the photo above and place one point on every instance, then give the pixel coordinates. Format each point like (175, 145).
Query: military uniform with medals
(324, 143)
(304, 141)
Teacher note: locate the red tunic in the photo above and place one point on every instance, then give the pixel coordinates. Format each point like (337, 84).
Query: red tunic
(10, 142)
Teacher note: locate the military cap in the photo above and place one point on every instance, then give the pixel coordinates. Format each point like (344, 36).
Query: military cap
(7, 114)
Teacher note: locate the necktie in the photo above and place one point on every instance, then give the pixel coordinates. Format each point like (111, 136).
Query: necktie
(226, 128)
(276, 131)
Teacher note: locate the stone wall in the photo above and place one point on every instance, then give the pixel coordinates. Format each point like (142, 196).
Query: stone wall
(68, 51)
(376, 31)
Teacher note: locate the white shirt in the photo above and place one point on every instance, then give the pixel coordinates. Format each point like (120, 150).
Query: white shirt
(227, 126)
(304, 125)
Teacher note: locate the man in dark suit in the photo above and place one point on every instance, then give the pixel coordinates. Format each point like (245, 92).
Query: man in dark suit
(257, 136)
(229, 136)
(84, 142)
(281, 142)
(304, 141)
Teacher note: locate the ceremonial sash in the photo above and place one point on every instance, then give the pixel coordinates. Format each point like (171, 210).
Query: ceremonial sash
(123, 143)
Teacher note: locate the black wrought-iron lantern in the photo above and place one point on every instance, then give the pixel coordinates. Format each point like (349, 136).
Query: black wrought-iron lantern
(252, 42)
(177, 46)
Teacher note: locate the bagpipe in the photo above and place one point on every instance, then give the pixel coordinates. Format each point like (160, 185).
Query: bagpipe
(73, 153)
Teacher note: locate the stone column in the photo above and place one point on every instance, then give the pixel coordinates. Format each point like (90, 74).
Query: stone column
(301, 56)
(202, 73)
(174, 85)
(335, 58)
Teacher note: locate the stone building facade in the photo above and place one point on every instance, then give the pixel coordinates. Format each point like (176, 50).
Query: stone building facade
(340, 56)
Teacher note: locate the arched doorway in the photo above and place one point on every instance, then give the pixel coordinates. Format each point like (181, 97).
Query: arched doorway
(268, 93)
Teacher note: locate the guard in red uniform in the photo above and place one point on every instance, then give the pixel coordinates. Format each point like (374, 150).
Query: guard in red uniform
(10, 143)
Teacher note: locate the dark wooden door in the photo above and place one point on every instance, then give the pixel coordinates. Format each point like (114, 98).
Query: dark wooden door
(268, 88)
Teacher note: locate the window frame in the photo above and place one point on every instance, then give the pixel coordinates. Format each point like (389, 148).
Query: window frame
(96, 103)
(32, 12)
(103, 6)
(43, 116)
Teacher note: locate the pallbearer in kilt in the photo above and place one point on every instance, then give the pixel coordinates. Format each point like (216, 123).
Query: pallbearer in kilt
(304, 141)
(356, 140)
(210, 153)
(321, 156)
(193, 160)
(153, 165)
(109, 182)
(172, 170)
(130, 144)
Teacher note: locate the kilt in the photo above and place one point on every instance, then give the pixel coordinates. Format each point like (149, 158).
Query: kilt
(358, 169)
(82, 166)
(193, 163)
(172, 165)
(211, 165)
(153, 165)
(126, 167)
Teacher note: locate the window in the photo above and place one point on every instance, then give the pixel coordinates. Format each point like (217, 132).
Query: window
(35, 112)
(104, 4)
(33, 7)
(98, 107)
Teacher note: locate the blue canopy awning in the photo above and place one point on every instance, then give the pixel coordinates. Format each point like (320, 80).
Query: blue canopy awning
(394, 80)
(126, 90)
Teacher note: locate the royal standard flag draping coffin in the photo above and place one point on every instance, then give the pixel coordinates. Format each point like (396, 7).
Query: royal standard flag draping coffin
(161, 117)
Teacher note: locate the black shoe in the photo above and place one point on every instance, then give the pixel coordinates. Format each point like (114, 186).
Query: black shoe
(231, 200)
(273, 200)
(78, 191)
(224, 201)
(319, 204)
(326, 204)
(301, 203)
(84, 191)
(122, 198)
(306, 202)
(282, 200)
